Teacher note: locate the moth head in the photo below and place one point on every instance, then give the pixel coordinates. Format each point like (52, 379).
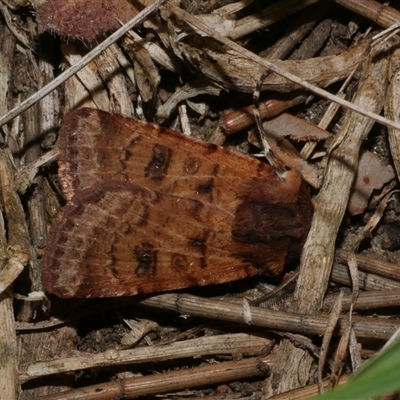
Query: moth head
(272, 221)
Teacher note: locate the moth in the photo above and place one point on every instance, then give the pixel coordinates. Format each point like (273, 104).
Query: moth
(151, 210)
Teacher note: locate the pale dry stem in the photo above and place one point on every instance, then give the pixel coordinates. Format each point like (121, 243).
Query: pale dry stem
(328, 334)
(167, 382)
(340, 274)
(383, 15)
(8, 346)
(202, 347)
(231, 311)
(366, 300)
(373, 265)
(307, 391)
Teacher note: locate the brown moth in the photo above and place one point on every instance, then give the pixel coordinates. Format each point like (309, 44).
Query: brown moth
(150, 210)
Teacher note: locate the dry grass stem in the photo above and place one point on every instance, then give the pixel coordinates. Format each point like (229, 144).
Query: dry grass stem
(224, 344)
(366, 300)
(264, 318)
(8, 342)
(168, 381)
(368, 281)
(334, 315)
(383, 15)
(375, 266)
(308, 391)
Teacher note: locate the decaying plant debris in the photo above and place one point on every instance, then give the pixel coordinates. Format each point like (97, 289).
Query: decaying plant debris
(210, 342)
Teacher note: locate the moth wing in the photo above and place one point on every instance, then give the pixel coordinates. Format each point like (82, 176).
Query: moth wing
(95, 145)
(120, 239)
